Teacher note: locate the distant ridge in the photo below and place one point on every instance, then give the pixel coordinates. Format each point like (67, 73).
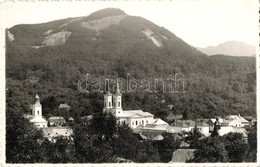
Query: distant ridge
(231, 48)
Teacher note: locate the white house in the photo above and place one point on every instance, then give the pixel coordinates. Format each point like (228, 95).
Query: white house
(133, 118)
(242, 122)
(36, 116)
(231, 122)
(203, 128)
(52, 133)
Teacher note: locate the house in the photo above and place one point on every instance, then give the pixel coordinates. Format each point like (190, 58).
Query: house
(133, 118)
(158, 125)
(64, 106)
(56, 121)
(183, 126)
(154, 130)
(231, 122)
(36, 117)
(242, 121)
(202, 127)
(52, 133)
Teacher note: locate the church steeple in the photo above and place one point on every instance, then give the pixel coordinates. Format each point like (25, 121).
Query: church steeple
(107, 99)
(117, 100)
(37, 107)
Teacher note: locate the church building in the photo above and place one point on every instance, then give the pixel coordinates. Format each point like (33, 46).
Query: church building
(133, 118)
(36, 116)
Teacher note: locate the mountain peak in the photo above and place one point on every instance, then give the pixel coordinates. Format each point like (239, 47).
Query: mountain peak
(107, 12)
(232, 48)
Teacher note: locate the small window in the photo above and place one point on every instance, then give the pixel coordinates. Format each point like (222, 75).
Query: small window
(118, 104)
(109, 104)
(136, 122)
(38, 112)
(114, 104)
(105, 104)
(147, 121)
(133, 123)
(142, 122)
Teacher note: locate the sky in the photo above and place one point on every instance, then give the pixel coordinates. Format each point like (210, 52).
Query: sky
(200, 23)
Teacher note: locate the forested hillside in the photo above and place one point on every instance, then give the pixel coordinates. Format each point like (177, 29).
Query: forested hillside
(50, 58)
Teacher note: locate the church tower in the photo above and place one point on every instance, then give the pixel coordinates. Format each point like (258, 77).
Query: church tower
(37, 107)
(107, 101)
(117, 101)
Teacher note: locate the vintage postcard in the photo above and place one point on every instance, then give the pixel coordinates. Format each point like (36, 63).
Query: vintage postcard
(139, 83)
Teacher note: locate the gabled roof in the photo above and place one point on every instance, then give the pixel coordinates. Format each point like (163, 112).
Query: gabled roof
(159, 121)
(238, 117)
(182, 155)
(38, 119)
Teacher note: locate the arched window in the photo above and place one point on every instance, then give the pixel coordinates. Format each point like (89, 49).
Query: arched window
(38, 112)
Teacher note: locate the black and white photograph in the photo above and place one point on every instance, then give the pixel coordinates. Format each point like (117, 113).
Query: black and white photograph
(170, 82)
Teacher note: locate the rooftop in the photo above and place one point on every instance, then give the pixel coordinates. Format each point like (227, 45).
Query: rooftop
(134, 113)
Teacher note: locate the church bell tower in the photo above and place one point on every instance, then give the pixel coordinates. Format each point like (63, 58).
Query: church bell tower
(117, 101)
(37, 107)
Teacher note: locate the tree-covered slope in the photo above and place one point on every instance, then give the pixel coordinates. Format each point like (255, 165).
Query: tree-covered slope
(50, 58)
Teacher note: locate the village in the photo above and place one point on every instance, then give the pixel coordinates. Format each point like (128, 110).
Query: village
(143, 124)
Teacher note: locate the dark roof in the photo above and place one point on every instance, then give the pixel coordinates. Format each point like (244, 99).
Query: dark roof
(174, 116)
(201, 123)
(184, 123)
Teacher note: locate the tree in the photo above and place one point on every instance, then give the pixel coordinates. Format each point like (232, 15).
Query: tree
(61, 151)
(125, 144)
(167, 146)
(235, 146)
(22, 140)
(185, 115)
(211, 149)
(147, 153)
